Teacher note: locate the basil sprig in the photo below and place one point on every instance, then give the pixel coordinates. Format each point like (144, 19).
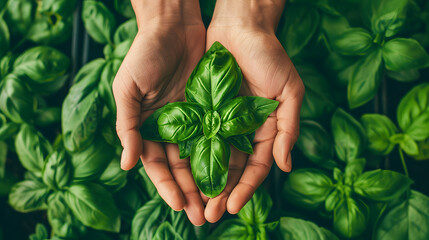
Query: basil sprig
(210, 119)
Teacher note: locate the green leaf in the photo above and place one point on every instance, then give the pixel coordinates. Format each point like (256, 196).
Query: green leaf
(256, 211)
(113, 178)
(125, 8)
(379, 129)
(99, 21)
(93, 206)
(307, 187)
(16, 101)
(215, 80)
(3, 158)
(148, 218)
(232, 229)
(406, 143)
(211, 123)
(353, 170)
(122, 49)
(365, 79)
(409, 75)
(40, 234)
(82, 108)
(89, 163)
(407, 220)
(243, 115)
(42, 65)
(63, 222)
(382, 185)
(32, 149)
(28, 196)
(316, 144)
(209, 164)
(351, 218)
(181, 225)
(349, 136)
(387, 16)
(20, 15)
(413, 112)
(47, 116)
(106, 80)
(298, 229)
(9, 130)
(353, 41)
(242, 143)
(126, 31)
(185, 148)
(180, 121)
(300, 24)
(4, 37)
(57, 173)
(334, 199)
(401, 54)
(166, 231)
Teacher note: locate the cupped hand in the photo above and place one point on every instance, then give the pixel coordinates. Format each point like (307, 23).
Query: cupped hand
(153, 73)
(268, 72)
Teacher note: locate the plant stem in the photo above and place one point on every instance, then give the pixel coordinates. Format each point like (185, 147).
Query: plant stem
(404, 165)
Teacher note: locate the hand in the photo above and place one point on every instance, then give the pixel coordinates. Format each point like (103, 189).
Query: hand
(268, 72)
(169, 44)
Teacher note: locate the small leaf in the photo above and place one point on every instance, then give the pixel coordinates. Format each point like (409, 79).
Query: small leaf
(211, 123)
(256, 211)
(295, 229)
(28, 196)
(98, 20)
(382, 185)
(333, 200)
(242, 143)
(353, 41)
(185, 148)
(57, 172)
(16, 101)
(126, 31)
(353, 170)
(351, 218)
(401, 54)
(379, 129)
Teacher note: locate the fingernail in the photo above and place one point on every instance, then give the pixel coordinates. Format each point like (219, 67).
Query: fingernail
(123, 159)
(289, 163)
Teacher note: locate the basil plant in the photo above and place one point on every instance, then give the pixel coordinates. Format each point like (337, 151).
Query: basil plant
(210, 119)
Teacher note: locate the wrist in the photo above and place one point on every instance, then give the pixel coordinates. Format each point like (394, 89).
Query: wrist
(170, 12)
(258, 15)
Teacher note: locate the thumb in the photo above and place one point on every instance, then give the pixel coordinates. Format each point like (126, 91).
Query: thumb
(128, 118)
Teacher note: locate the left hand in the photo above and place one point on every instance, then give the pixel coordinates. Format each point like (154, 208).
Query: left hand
(268, 72)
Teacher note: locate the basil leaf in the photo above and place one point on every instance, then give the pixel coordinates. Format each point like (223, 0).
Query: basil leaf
(242, 143)
(89, 163)
(98, 20)
(211, 123)
(215, 80)
(382, 185)
(307, 187)
(406, 143)
(316, 144)
(125, 8)
(126, 31)
(180, 121)
(4, 37)
(379, 129)
(365, 79)
(105, 87)
(351, 218)
(41, 64)
(185, 148)
(349, 136)
(387, 16)
(181, 225)
(353, 170)
(232, 229)
(93, 206)
(28, 196)
(334, 200)
(409, 75)
(148, 218)
(50, 28)
(295, 229)
(20, 15)
(121, 49)
(256, 211)
(166, 231)
(47, 116)
(57, 172)
(113, 178)
(82, 108)
(243, 115)
(401, 54)
(423, 147)
(61, 219)
(353, 41)
(40, 234)
(129, 199)
(8, 130)
(405, 220)
(301, 22)
(209, 164)
(413, 112)
(32, 149)
(16, 101)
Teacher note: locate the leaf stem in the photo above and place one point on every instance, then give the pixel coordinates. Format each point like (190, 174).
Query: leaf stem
(404, 165)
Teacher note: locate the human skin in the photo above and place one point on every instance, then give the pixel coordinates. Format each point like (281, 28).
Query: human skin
(170, 41)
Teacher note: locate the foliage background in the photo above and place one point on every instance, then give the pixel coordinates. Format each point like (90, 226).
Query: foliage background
(59, 58)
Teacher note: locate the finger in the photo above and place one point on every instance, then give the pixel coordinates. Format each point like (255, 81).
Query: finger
(288, 120)
(155, 164)
(181, 171)
(257, 168)
(128, 100)
(217, 206)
